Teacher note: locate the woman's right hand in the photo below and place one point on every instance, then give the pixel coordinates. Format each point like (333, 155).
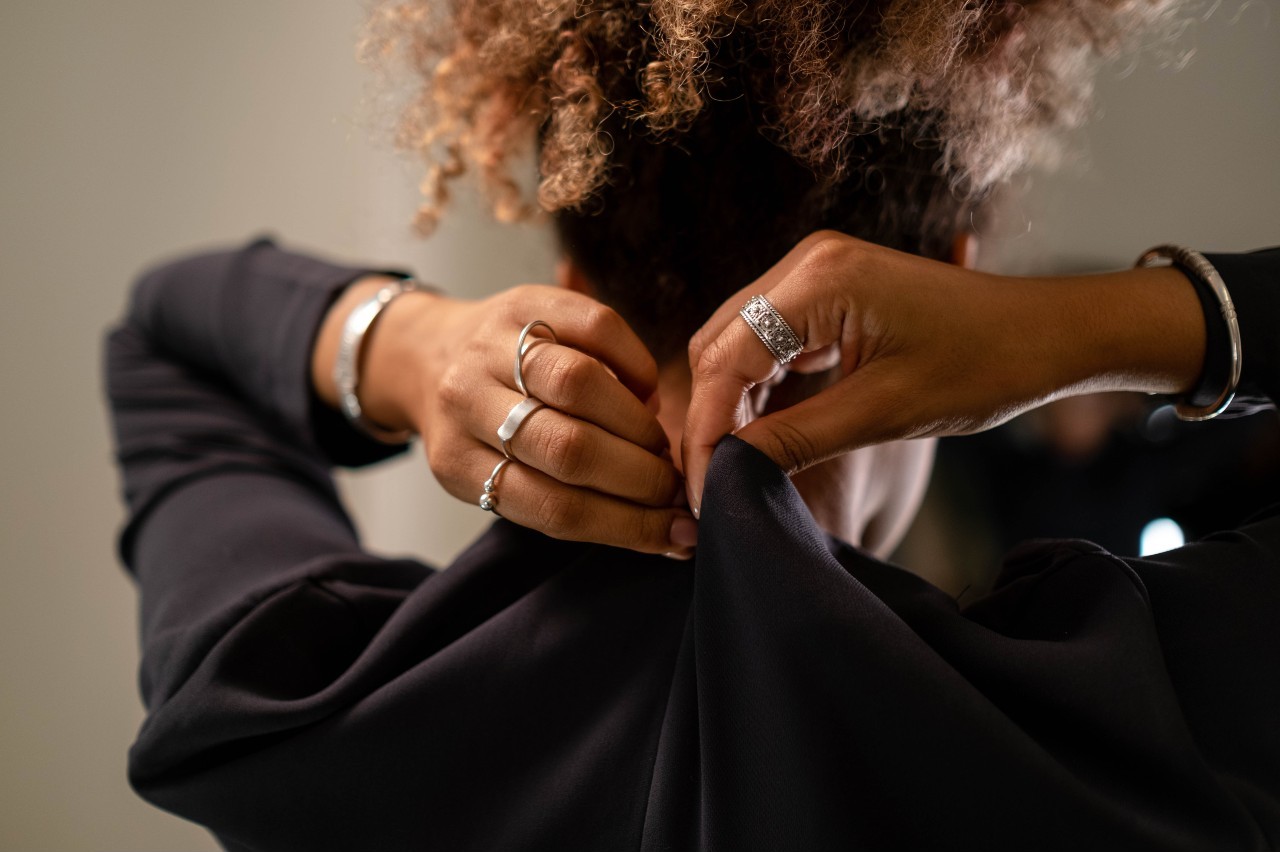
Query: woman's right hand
(592, 465)
(927, 348)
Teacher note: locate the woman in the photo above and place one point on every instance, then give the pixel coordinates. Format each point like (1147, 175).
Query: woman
(784, 689)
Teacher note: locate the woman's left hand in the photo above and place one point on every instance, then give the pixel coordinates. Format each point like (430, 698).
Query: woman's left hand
(593, 464)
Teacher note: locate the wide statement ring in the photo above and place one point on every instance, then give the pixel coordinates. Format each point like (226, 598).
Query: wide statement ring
(522, 348)
(489, 499)
(515, 418)
(772, 329)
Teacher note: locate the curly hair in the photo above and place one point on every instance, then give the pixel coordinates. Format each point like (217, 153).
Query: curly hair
(656, 121)
(992, 84)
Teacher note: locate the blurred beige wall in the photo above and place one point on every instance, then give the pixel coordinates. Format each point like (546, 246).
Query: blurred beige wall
(128, 131)
(1186, 155)
(139, 128)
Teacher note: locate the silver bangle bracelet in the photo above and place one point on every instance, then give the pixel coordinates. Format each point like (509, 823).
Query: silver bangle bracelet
(346, 369)
(1203, 269)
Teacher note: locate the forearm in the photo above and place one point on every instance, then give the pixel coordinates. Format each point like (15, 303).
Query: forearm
(1136, 330)
(932, 349)
(1147, 330)
(254, 593)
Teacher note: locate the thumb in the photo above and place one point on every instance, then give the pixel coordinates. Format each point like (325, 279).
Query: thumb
(730, 366)
(858, 410)
(729, 358)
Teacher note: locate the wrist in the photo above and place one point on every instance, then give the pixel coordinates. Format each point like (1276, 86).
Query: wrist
(402, 357)
(388, 373)
(324, 351)
(1135, 330)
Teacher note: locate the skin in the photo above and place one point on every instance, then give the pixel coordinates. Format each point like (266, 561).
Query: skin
(866, 497)
(927, 349)
(442, 367)
(908, 348)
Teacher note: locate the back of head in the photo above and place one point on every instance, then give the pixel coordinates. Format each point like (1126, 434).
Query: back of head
(685, 145)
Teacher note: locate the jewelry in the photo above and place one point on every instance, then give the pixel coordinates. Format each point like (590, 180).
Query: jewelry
(346, 368)
(772, 329)
(522, 348)
(1203, 273)
(489, 499)
(515, 418)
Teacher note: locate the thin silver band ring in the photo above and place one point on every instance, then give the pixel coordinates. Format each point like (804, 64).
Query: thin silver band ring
(515, 418)
(523, 348)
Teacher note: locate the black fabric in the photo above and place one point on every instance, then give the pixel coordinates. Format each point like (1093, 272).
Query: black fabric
(782, 691)
(1251, 280)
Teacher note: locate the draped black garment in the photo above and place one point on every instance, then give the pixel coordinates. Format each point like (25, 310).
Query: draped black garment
(781, 691)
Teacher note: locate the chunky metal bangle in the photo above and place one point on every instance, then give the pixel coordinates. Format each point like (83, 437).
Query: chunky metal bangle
(1196, 263)
(346, 369)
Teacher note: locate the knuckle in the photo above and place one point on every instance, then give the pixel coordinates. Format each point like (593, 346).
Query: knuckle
(713, 359)
(828, 249)
(652, 531)
(513, 304)
(568, 452)
(602, 321)
(826, 240)
(449, 469)
(568, 380)
(440, 464)
(791, 448)
(515, 297)
(451, 388)
(694, 350)
(560, 512)
(656, 484)
(698, 344)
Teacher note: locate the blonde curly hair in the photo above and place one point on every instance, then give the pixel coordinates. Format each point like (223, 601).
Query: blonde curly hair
(989, 86)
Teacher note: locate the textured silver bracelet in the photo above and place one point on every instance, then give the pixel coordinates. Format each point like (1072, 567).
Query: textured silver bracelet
(1197, 265)
(346, 369)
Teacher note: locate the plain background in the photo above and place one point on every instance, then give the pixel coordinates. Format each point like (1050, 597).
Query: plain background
(134, 130)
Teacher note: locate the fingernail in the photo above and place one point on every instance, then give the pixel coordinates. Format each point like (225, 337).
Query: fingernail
(697, 512)
(679, 557)
(684, 532)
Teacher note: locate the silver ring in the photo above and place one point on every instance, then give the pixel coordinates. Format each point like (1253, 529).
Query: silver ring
(489, 499)
(515, 417)
(772, 329)
(523, 348)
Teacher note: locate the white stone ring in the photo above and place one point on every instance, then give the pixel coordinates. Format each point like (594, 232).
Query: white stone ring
(772, 329)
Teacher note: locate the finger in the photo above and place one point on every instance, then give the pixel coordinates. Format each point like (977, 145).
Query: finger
(810, 298)
(579, 385)
(817, 361)
(737, 360)
(862, 408)
(576, 452)
(585, 324)
(729, 368)
(728, 312)
(533, 499)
